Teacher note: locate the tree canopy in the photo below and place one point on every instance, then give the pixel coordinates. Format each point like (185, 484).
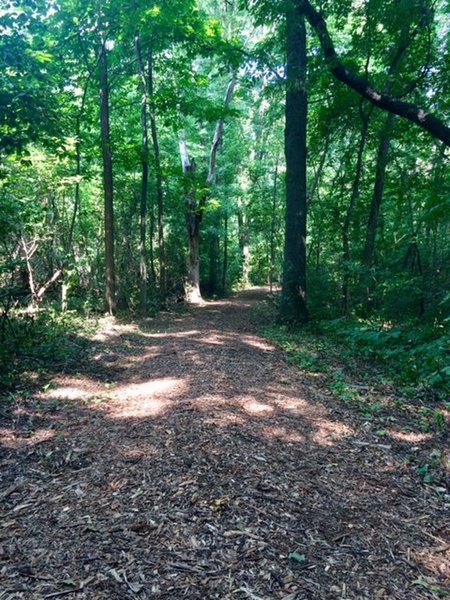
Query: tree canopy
(131, 166)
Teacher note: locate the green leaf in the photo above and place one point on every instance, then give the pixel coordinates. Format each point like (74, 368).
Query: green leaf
(300, 558)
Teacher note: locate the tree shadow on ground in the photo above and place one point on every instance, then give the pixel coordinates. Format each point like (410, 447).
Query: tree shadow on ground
(187, 459)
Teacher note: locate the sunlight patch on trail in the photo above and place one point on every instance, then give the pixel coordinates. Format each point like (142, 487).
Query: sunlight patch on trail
(147, 399)
(255, 408)
(409, 436)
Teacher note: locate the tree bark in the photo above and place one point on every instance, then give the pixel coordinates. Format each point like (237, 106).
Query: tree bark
(225, 255)
(214, 250)
(194, 215)
(273, 224)
(385, 101)
(365, 117)
(159, 183)
(244, 246)
(107, 180)
(144, 179)
(377, 198)
(293, 305)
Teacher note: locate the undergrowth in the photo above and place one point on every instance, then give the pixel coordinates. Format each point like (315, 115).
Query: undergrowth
(414, 359)
(40, 342)
(390, 376)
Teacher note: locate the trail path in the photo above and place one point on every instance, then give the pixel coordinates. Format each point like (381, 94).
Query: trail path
(187, 459)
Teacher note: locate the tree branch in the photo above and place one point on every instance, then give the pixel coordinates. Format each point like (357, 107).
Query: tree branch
(407, 110)
(218, 134)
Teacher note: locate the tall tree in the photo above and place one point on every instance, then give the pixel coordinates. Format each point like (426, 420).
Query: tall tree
(107, 178)
(144, 179)
(293, 305)
(196, 200)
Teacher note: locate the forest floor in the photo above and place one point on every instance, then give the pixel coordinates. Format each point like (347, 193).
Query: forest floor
(184, 457)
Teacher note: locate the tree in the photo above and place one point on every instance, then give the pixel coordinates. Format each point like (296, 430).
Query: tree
(407, 110)
(108, 188)
(195, 201)
(293, 296)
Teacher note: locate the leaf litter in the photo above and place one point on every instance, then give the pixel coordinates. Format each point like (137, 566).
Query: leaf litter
(186, 458)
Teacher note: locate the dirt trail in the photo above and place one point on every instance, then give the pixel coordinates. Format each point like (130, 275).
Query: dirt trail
(187, 459)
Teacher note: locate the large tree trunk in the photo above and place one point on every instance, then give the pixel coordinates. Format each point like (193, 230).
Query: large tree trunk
(293, 305)
(107, 180)
(193, 294)
(159, 184)
(144, 180)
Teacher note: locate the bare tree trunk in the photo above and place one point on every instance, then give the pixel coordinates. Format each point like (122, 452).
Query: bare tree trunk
(196, 206)
(293, 305)
(28, 253)
(107, 180)
(144, 181)
(244, 246)
(151, 235)
(159, 184)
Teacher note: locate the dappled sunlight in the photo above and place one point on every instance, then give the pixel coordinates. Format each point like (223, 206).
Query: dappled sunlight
(147, 407)
(257, 343)
(217, 339)
(299, 405)
(226, 419)
(282, 433)
(410, 437)
(435, 559)
(257, 408)
(147, 399)
(174, 334)
(136, 454)
(169, 437)
(326, 433)
(68, 392)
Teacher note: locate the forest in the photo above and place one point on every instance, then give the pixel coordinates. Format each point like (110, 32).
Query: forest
(224, 229)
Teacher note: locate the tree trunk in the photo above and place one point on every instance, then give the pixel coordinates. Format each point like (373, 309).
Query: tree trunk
(159, 184)
(214, 258)
(225, 255)
(195, 207)
(365, 117)
(272, 225)
(244, 246)
(293, 305)
(144, 180)
(194, 214)
(193, 294)
(377, 197)
(107, 180)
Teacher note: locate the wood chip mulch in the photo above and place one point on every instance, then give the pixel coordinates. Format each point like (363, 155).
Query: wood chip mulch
(187, 459)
